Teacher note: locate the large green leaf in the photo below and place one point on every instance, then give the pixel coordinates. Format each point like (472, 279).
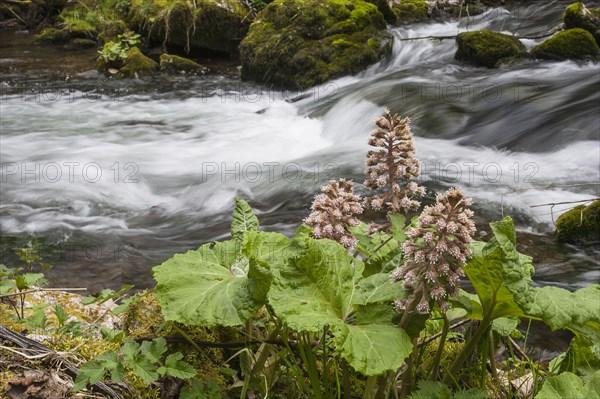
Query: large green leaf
(377, 288)
(243, 219)
(502, 280)
(272, 248)
(569, 386)
(373, 349)
(487, 276)
(322, 288)
(560, 308)
(211, 287)
(316, 289)
(379, 248)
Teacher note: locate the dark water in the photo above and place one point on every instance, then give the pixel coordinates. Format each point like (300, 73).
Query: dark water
(113, 177)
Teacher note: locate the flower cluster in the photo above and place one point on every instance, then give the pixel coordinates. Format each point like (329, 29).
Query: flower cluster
(333, 211)
(435, 252)
(391, 168)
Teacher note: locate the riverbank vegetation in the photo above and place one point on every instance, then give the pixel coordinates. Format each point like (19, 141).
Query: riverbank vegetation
(400, 302)
(287, 44)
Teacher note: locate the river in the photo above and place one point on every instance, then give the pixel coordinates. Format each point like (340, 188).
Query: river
(114, 177)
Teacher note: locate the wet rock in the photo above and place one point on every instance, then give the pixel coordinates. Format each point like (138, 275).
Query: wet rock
(137, 65)
(175, 64)
(80, 44)
(577, 15)
(411, 11)
(217, 25)
(580, 225)
(486, 48)
(572, 44)
(52, 36)
(385, 8)
(298, 44)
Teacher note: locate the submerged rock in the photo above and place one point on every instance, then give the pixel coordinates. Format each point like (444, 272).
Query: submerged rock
(572, 44)
(80, 44)
(486, 48)
(175, 64)
(577, 15)
(52, 35)
(580, 225)
(138, 65)
(297, 44)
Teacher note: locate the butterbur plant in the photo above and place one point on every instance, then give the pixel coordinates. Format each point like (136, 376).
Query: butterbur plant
(392, 167)
(435, 252)
(320, 321)
(333, 210)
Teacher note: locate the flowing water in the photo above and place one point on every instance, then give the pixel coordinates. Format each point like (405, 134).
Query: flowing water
(116, 176)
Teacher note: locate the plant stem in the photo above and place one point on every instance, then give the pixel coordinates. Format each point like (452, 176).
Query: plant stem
(382, 383)
(346, 380)
(468, 349)
(370, 387)
(493, 358)
(408, 312)
(438, 355)
(407, 376)
(263, 352)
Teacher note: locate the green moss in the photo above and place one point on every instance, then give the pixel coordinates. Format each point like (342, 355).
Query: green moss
(175, 64)
(385, 9)
(486, 48)
(207, 24)
(79, 44)
(138, 65)
(52, 35)
(80, 28)
(577, 15)
(411, 11)
(298, 44)
(143, 319)
(572, 44)
(580, 225)
(111, 30)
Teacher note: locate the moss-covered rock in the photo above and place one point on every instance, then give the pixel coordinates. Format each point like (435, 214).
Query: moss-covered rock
(386, 9)
(81, 29)
(138, 65)
(52, 35)
(297, 44)
(577, 15)
(175, 64)
(486, 48)
(94, 19)
(217, 25)
(572, 44)
(411, 11)
(580, 225)
(80, 44)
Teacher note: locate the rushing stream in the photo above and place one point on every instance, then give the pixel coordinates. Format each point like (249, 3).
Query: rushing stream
(116, 176)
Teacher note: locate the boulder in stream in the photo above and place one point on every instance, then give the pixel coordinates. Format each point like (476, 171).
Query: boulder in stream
(580, 225)
(138, 65)
(175, 64)
(487, 48)
(571, 44)
(577, 15)
(298, 44)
